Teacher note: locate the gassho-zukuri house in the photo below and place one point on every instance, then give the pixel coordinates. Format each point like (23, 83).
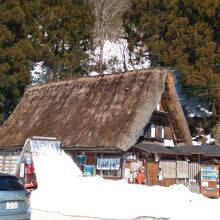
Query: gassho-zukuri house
(113, 125)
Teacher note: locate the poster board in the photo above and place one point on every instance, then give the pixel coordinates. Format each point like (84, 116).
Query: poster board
(182, 169)
(81, 159)
(210, 173)
(88, 170)
(168, 168)
(108, 163)
(210, 180)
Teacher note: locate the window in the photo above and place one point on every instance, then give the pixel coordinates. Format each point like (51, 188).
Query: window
(109, 166)
(156, 129)
(153, 131)
(10, 184)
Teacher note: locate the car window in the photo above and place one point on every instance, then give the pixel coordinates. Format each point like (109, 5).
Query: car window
(9, 184)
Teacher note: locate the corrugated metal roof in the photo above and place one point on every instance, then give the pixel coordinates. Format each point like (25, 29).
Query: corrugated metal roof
(156, 148)
(205, 150)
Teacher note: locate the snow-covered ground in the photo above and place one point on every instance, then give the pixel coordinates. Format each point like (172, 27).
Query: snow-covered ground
(45, 215)
(95, 197)
(62, 189)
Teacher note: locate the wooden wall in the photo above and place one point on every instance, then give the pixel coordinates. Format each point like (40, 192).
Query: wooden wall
(152, 173)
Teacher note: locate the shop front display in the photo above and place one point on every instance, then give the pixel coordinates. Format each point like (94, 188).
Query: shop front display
(210, 180)
(134, 171)
(109, 167)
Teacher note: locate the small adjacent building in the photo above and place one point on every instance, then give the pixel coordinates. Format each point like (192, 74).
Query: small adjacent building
(112, 125)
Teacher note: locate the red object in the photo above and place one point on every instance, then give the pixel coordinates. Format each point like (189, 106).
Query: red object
(29, 169)
(31, 185)
(140, 177)
(30, 177)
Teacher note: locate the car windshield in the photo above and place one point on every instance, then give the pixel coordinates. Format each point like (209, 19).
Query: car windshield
(10, 184)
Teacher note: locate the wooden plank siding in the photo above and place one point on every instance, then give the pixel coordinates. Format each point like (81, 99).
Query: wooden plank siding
(167, 132)
(167, 182)
(162, 128)
(194, 171)
(182, 169)
(168, 168)
(90, 159)
(194, 177)
(152, 173)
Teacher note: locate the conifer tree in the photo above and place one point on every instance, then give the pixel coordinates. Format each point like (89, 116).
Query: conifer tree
(14, 52)
(182, 35)
(57, 32)
(61, 33)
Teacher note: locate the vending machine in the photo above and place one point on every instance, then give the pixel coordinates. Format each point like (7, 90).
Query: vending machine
(210, 181)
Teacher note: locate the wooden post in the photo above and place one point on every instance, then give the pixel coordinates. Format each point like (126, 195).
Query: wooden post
(146, 171)
(176, 171)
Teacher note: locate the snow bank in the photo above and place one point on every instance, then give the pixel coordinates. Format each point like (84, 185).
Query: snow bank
(62, 189)
(95, 197)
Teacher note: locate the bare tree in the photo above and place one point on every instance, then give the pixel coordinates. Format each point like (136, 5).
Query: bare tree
(108, 25)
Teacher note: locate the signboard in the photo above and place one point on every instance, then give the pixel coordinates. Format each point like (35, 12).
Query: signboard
(81, 159)
(88, 170)
(108, 163)
(209, 173)
(210, 180)
(22, 166)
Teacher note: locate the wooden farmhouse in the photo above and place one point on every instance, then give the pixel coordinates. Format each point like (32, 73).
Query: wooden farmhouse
(113, 125)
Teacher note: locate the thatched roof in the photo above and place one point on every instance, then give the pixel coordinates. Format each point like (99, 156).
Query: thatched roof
(109, 111)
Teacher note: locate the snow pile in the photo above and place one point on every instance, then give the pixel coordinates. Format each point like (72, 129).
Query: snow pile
(209, 139)
(62, 189)
(196, 108)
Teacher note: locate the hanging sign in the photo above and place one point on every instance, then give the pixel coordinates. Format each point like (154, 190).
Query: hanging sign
(108, 164)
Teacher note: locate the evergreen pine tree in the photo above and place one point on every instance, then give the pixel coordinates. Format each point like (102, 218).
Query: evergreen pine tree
(61, 33)
(57, 32)
(14, 50)
(182, 35)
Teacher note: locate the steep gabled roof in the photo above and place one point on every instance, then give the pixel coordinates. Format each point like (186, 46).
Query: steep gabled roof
(108, 111)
